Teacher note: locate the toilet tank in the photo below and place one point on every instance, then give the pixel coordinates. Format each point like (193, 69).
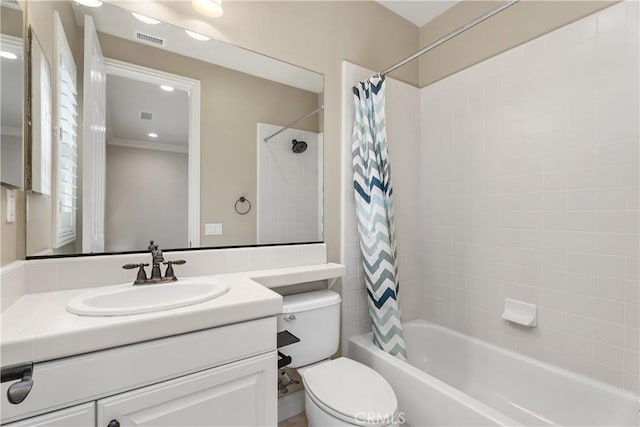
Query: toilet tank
(313, 317)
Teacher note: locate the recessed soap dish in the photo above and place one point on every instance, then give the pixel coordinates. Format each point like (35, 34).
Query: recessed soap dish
(520, 312)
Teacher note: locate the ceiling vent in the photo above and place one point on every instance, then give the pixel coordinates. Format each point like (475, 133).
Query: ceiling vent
(145, 116)
(150, 39)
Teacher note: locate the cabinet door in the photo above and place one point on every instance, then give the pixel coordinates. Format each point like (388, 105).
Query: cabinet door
(243, 393)
(76, 416)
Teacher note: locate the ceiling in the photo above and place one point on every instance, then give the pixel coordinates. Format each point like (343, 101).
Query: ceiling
(116, 21)
(126, 98)
(418, 12)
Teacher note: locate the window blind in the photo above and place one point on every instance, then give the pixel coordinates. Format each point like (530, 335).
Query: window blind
(67, 142)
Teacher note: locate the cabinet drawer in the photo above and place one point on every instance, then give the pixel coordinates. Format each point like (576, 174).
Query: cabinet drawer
(76, 416)
(238, 394)
(75, 380)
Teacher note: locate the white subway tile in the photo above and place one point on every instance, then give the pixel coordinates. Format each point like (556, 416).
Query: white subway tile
(607, 310)
(610, 266)
(580, 305)
(609, 288)
(546, 210)
(607, 355)
(610, 221)
(610, 333)
(632, 338)
(580, 325)
(632, 315)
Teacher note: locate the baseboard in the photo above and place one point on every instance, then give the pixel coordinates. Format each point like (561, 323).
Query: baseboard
(290, 405)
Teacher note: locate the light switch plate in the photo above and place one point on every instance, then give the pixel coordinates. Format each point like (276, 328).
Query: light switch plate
(11, 205)
(214, 229)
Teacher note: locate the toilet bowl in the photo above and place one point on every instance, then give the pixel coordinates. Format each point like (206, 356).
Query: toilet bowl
(343, 392)
(339, 392)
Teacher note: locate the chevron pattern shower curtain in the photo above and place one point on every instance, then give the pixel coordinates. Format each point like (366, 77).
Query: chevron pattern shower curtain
(374, 209)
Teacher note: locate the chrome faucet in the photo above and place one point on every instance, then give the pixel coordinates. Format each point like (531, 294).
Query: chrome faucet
(156, 275)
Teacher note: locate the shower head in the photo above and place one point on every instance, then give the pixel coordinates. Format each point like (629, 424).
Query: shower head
(298, 146)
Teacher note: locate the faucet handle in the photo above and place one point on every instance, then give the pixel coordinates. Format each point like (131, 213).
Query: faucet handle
(142, 274)
(169, 274)
(132, 266)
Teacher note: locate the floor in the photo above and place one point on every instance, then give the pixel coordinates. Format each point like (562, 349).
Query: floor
(297, 421)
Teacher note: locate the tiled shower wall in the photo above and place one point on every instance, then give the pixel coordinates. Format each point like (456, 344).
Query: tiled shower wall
(289, 197)
(529, 190)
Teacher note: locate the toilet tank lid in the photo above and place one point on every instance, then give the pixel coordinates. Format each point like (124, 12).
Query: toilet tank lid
(309, 301)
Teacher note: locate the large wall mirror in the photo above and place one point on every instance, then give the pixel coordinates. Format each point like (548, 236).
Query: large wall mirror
(159, 133)
(12, 99)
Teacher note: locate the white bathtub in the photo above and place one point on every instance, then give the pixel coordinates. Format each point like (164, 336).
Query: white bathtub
(453, 379)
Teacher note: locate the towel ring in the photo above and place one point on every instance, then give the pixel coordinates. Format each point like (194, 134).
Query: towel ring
(242, 199)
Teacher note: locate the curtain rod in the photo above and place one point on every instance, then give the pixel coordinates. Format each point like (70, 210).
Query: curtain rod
(448, 37)
(317, 110)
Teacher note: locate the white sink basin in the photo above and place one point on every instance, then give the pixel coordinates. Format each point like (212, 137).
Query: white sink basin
(128, 299)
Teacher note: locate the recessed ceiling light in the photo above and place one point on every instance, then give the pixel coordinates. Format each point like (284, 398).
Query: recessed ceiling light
(166, 88)
(153, 135)
(90, 3)
(197, 36)
(145, 19)
(8, 55)
(212, 8)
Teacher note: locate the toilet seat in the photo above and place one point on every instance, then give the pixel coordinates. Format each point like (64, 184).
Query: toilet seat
(351, 391)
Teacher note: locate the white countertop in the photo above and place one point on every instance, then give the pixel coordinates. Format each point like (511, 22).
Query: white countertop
(37, 327)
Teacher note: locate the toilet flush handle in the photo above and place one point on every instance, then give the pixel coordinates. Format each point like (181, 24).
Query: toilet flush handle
(290, 318)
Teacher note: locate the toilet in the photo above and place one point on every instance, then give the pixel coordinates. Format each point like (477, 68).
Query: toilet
(339, 392)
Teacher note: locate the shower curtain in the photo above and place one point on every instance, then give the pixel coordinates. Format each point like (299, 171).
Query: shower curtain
(374, 209)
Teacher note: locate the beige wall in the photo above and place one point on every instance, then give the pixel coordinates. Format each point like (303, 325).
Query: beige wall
(11, 235)
(11, 22)
(518, 24)
(232, 103)
(146, 198)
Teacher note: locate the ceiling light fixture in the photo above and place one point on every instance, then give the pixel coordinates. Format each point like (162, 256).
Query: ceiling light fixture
(167, 88)
(145, 19)
(90, 3)
(212, 8)
(8, 55)
(153, 135)
(197, 36)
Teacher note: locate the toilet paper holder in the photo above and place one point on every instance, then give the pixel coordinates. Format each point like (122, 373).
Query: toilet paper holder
(285, 338)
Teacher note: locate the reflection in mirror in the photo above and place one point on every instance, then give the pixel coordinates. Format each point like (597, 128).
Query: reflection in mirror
(170, 140)
(11, 87)
(146, 165)
(41, 119)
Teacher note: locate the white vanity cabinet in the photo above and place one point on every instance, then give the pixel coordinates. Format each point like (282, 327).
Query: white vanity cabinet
(221, 376)
(232, 395)
(76, 416)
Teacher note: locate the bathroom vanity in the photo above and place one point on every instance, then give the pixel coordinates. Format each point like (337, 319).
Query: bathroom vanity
(210, 377)
(209, 363)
